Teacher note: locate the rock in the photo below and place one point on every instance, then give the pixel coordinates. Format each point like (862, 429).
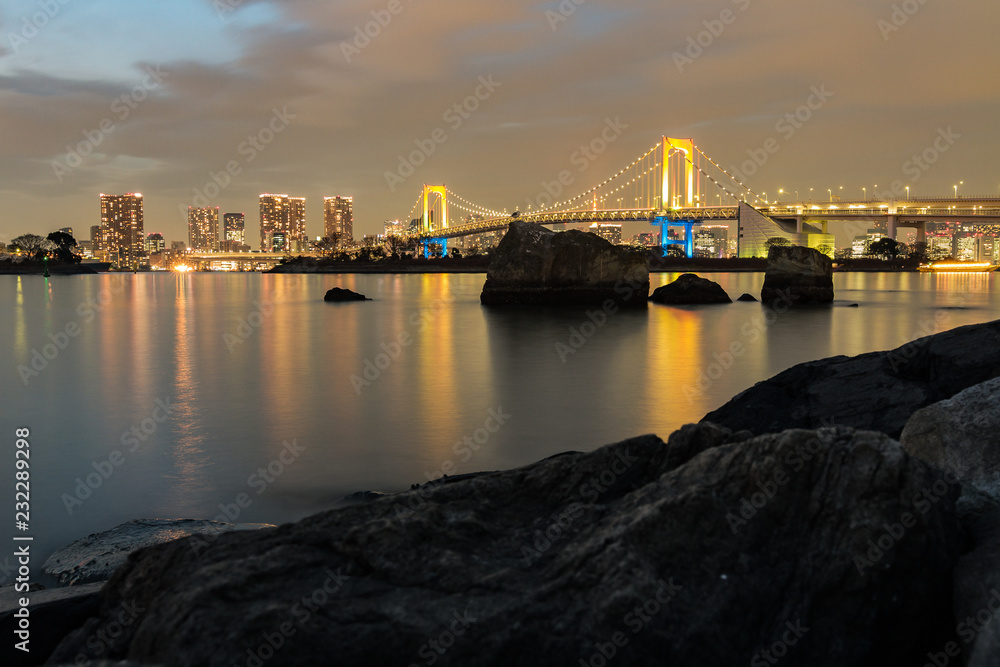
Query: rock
(52, 615)
(797, 275)
(534, 265)
(877, 391)
(690, 289)
(95, 557)
(747, 297)
(960, 436)
(339, 294)
(550, 563)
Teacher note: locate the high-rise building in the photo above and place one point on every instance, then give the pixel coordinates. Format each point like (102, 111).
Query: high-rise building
(281, 213)
(96, 239)
(155, 242)
(338, 219)
(121, 230)
(203, 228)
(610, 232)
(234, 225)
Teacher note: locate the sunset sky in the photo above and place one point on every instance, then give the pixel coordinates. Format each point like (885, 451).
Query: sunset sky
(163, 94)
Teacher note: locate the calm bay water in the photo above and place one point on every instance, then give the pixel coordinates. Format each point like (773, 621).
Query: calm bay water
(247, 363)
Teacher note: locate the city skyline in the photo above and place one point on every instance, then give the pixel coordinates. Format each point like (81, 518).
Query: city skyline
(494, 101)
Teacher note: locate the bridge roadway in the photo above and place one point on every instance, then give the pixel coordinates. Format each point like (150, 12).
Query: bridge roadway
(915, 211)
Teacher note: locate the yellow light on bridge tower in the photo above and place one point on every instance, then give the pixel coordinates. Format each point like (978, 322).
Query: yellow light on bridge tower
(685, 146)
(442, 192)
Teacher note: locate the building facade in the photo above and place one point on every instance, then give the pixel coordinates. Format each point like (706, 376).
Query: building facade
(203, 228)
(121, 233)
(284, 214)
(338, 219)
(234, 225)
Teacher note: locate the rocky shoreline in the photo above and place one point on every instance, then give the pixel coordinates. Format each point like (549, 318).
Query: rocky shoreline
(845, 511)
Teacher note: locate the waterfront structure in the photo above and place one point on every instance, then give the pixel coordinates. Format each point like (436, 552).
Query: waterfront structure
(203, 228)
(96, 236)
(338, 219)
(122, 236)
(281, 213)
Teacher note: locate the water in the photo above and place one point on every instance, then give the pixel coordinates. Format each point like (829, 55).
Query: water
(242, 384)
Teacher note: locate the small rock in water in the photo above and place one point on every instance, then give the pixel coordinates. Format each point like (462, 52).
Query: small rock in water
(747, 297)
(341, 294)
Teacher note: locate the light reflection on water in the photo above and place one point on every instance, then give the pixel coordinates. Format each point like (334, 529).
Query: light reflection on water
(250, 362)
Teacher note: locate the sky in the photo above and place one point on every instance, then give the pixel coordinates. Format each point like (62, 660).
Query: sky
(213, 102)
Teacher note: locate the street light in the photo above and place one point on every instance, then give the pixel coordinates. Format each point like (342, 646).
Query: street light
(830, 191)
(864, 191)
(780, 192)
(907, 192)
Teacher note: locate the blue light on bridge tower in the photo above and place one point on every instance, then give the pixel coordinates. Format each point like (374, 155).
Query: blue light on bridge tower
(665, 223)
(427, 247)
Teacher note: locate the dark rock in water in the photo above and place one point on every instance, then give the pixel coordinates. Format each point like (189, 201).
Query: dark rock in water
(690, 289)
(340, 294)
(534, 265)
(703, 551)
(747, 297)
(52, 615)
(95, 557)
(877, 391)
(796, 275)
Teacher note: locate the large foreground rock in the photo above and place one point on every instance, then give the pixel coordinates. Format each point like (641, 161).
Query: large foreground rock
(797, 275)
(52, 614)
(534, 265)
(690, 289)
(706, 551)
(961, 435)
(877, 391)
(95, 557)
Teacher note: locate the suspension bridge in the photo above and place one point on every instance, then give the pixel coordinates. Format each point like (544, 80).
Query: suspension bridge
(675, 184)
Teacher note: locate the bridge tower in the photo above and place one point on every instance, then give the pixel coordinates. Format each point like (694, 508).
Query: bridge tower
(685, 146)
(682, 199)
(425, 223)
